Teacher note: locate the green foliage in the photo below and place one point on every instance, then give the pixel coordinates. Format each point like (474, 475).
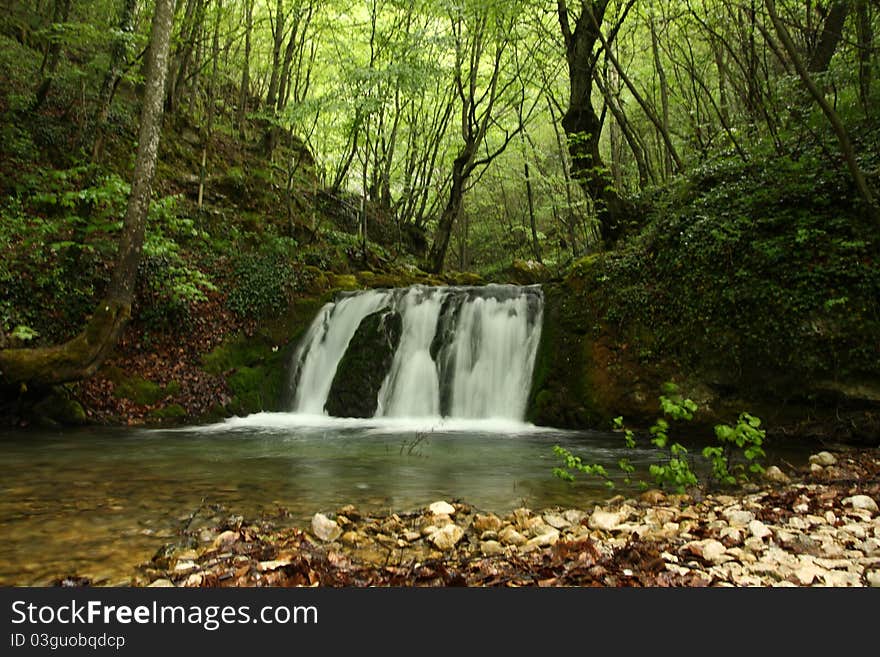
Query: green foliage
(746, 436)
(674, 470)
(167, 285)
(746, 268)
(265, 280)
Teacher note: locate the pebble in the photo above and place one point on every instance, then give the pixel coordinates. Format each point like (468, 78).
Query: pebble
(442, 508)
(823, 459)
(717, 538)
(325, 528)
(446, 537)
(861, 502)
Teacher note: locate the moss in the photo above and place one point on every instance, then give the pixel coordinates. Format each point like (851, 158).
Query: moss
(140, 391)
(255, 389)
(344, 281)
(235, 353)
(171, 412)
(57, 409)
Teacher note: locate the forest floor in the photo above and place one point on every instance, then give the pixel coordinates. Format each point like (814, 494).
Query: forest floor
(815, 527)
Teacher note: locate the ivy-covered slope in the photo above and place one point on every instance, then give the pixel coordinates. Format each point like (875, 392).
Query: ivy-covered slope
(757, 284)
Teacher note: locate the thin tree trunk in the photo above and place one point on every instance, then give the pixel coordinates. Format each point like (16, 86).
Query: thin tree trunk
(82, 356)
(53, 56)
(118, 56)
(664, 93)
(865, 36)
(212, 90)
(244, 93)
(846, 146)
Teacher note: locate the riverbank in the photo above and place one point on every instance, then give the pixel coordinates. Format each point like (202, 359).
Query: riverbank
(818, 526)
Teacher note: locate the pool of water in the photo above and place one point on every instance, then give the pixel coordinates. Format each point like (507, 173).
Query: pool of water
(97, 502)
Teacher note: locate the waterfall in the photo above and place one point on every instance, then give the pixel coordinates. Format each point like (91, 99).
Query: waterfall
(464, 352)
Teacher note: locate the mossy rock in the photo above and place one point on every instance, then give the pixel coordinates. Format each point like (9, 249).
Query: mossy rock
(236, 353)
(465, 278)
(140, 391)
(170, 412)
(58, 409)
(527, 272)
(362, 370)
(344, 281)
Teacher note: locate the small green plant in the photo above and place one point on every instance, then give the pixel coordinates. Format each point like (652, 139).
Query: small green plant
(675, 471)
(746, 435)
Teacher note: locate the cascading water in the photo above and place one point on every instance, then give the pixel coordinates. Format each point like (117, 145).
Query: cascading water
(463, 352)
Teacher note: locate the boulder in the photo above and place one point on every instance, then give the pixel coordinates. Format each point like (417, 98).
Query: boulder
(362, 370)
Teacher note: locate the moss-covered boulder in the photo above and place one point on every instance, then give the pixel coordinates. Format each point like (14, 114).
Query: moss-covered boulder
(363, 368)
(58, 408)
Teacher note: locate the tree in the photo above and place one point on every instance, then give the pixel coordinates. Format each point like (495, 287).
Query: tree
(582, 125)
(82, 356)
(482, 36)
(846, 146)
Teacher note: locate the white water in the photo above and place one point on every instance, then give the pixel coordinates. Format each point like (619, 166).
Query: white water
(484, 356)
(325, 344)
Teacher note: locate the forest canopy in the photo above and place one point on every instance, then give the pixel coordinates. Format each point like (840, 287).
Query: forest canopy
(303, 137)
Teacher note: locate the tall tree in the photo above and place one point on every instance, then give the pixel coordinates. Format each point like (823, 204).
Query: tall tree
(119, 53)
(846, 146)
(482, 36)
(581, 28)
(82, 356)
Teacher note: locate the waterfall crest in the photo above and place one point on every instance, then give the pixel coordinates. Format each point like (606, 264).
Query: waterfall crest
(464, 352)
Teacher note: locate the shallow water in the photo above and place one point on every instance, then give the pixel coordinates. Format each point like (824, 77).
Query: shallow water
(97, 502)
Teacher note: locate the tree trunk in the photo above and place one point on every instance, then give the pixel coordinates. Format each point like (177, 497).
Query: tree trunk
(53, 55)
(865, 36)
(832, 30)
(437, 254)
(244, 93)
(846, 146)
(118, 57)
(581, 123)
(82, 356)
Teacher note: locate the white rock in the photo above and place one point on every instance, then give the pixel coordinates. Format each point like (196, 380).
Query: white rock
(574, 516)
(873, 579)
(709, 550)
(855, 530)
(733, 535)
(870, 546)
(774, 475)
(861, 502)
(324, 528)
(556, 521)
(840, 578)
(738, 517)
(546, 539)
(491, 548)
(759, 530)
(605, 520)
(446, 537)
(509, 536)
(815, 468)
(823, 459)
(442, 508)
(161, 584)
(184, 566)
